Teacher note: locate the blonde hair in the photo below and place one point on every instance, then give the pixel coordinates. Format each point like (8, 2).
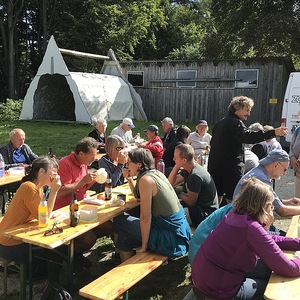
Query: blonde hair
(253, 198)
(112, 142)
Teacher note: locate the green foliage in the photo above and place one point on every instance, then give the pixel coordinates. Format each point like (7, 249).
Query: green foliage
(11, 110)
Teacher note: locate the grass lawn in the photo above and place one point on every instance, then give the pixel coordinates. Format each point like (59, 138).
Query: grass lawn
(62, 137)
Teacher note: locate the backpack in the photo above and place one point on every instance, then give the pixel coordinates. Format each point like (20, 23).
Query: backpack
(53, 291)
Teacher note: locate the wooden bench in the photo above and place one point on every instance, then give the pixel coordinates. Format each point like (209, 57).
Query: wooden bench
(119, 280)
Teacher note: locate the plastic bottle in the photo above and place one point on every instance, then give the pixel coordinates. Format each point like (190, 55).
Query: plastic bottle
(2, 166)
(108, 188)
(74, 215)
(43, 212)
(161, 166)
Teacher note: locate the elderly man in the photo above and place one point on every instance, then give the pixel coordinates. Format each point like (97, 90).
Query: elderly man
(154, 143)
(273, 166)
(200, 194)
(75, 178)
(124, 130)
(16, 152)
(169, 130)
(227, 159)
(99, 133)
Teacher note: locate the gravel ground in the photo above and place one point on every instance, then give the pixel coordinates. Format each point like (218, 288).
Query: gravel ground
(177, 286)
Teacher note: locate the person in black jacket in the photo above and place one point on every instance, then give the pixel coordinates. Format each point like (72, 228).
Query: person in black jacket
(99, 133)
(181, 137)
(169, 130)
(226, 159)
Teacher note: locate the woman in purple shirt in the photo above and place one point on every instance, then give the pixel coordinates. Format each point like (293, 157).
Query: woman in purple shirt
(226, 265)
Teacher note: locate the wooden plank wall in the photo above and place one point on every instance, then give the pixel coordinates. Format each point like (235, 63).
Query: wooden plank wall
(209, 100)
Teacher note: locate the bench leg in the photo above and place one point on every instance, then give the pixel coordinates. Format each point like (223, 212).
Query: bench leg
(125, 296)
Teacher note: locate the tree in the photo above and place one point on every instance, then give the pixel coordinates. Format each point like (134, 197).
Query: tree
(248, 28)
(10, 12)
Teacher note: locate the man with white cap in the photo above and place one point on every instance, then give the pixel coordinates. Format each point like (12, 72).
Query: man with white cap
(273, 166)
(124, 130)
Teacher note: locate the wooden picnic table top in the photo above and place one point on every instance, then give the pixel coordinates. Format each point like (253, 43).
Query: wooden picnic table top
(10, 178)
(281, 287)
(32, 234)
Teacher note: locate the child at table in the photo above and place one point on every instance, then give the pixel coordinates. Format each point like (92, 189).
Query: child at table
(24, 208)
(236, 259)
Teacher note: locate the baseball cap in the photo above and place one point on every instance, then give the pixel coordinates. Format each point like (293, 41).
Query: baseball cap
(277, 155)
(152, 128)
(128, 121)
(202, 122)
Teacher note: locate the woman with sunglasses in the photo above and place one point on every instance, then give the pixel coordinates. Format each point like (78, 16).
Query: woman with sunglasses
(235, 261)
(24, 208)
(114, 160)
(162, 226)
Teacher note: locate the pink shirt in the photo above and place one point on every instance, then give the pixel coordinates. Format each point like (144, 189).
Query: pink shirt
(70, 171)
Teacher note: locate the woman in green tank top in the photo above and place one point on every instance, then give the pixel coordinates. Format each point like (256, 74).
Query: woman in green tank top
(162, 226)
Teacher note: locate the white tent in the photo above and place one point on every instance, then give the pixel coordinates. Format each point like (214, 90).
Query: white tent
(57, 94)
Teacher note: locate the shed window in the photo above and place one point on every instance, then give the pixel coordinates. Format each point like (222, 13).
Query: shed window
(187, 76)
(136, 78)
(246, 78)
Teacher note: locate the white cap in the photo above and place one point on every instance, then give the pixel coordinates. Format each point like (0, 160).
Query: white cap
(128, 121)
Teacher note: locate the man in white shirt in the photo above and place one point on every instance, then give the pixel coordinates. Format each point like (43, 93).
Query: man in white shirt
(124, 130)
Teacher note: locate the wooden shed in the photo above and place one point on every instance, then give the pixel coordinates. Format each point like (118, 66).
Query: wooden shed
(188, 91)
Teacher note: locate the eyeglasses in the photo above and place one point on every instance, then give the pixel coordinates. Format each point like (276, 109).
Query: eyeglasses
(119, 148)
(54, 230)
(284, 169)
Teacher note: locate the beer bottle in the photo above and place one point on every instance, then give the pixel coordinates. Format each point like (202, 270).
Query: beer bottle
(74, 216)
(108, 188)
(43, 213)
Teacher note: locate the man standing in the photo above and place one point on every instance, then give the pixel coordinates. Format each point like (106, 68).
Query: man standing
(227, 159)
(154, 143)
(75, 178)
(199, 195)
(124, 130)
(170, 131)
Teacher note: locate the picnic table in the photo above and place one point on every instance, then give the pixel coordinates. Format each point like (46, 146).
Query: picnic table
(281, 287)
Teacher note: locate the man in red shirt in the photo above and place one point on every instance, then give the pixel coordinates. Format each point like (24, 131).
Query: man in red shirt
(154, 143)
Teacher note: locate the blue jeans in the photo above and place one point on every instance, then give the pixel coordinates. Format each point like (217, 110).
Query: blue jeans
(255, 283)
(129, 232)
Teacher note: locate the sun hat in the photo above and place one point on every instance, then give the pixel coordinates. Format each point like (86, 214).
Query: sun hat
(152, 128)
(128, 121)
(277, 155)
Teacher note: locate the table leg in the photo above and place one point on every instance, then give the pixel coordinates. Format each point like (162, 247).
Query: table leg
(30, 271)
(70, 259)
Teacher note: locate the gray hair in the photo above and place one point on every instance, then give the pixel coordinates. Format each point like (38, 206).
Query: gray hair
(168, 120)
(98, 121)
(256, 127)
(239, 102)
(14, 131)
(113, 141)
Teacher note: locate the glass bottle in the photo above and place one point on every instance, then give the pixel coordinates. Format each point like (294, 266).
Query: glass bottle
(2, 166)
(108, 188)
(161, 166)
(43, 213)
(74, 215)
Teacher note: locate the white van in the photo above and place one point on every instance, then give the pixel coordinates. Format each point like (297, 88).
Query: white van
(291, 108)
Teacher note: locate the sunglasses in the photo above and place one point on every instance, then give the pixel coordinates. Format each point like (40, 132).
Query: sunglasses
(54, 230)
(119, 148)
